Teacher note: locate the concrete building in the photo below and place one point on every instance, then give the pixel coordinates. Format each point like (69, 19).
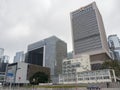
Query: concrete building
(97, 76)
(78, 70)
(73, 66)
(114, 45)
(17, 73)
(88, 33)
(19, 57)
(20, 72)
(2, 77)
(32, 69)
(48, 53)
(70, 55)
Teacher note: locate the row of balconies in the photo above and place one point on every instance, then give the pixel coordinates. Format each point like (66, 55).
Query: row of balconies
(85, 78)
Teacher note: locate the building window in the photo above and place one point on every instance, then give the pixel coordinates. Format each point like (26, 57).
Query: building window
(87, 78)
(92, 78)
(98, 78)
(80, 79)
(106, 77)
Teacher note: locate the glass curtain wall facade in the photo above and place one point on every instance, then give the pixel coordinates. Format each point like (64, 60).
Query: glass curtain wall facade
(48, 53)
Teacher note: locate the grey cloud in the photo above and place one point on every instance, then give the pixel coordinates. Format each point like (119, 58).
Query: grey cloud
(45, 18)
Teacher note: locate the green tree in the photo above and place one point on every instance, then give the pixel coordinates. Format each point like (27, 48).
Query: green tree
(114, 64)
(39, 77)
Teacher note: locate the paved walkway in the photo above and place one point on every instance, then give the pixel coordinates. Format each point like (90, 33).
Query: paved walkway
(111, 89)
(43, 89)
(55, 89)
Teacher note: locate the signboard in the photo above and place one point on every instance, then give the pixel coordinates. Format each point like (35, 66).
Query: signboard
(11, 72)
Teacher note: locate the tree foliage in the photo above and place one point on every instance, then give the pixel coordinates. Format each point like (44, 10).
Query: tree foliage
(39, 77)
(114, 64)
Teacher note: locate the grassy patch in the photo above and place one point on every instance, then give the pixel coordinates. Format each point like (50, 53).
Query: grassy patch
(55, 86)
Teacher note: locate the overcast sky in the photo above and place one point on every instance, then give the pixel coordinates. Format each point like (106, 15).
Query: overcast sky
(23, 22)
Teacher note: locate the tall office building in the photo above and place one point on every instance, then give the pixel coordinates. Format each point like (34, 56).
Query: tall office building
(114, 45)
(88, 33)
(19, 57)
(48, 53)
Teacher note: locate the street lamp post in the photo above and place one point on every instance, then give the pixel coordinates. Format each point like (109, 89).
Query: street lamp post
(19, 83)
(11, 78)
(33, 83)
(15, 76)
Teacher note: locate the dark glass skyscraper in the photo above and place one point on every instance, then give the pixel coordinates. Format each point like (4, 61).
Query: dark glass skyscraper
(48, 53)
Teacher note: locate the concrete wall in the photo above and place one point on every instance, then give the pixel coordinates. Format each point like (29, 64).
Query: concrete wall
(32, 69)
(21, 73)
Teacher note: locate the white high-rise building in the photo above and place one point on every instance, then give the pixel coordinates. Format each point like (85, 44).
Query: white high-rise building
(114, 45)
(20, 57)
(113, 41)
